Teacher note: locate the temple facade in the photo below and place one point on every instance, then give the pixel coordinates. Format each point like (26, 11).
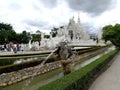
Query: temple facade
(73, 31)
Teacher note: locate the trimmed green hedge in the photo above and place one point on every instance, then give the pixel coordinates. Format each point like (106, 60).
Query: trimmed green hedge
(82, 78)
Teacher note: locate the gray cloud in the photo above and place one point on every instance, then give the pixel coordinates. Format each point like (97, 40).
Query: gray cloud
(49, 3)
(39, 24)
(15, 6)
(36, 7)
(35, 23)
(93, 7)
(88, 27)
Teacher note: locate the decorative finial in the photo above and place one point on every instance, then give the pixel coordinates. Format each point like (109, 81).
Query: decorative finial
(78, 17)
(73, 18)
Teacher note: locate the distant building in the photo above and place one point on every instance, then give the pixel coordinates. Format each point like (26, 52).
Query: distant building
(38, 32)
(73, 31)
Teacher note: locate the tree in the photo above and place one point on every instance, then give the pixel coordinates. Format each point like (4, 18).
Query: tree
(11, 36)
(7, 33)
(47, 36)
(36, 37)
(2, 37)
(54, 31)
(5, 27)
(112, 33)
(24, 37)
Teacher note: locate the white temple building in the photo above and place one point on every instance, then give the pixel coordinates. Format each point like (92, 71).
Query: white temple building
(74, 33)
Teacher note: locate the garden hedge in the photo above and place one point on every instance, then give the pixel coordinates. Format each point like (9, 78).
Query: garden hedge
(82, 78)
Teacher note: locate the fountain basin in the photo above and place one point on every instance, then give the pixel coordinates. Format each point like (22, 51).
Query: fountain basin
(23, 74)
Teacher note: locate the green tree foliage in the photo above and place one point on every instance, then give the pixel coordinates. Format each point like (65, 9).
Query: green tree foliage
(112, 33)
(7, 35)
(36, 37)
(12, 36)
(24, 37)
(5, 27)
(2, 37)
(47, 36)
(54, 32)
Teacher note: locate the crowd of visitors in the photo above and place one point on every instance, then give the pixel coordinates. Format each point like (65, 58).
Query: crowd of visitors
(11, 47)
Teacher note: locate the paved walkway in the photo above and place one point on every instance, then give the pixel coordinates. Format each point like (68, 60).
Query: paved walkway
(110, 79)
(2, 53)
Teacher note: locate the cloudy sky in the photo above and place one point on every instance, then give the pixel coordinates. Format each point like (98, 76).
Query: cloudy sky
(32, 15)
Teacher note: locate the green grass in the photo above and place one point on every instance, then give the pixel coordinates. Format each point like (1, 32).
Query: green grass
(78, 80)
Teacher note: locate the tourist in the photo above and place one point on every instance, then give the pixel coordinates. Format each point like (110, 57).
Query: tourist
(21, 47)
(39, 43)
(8, 47)
(5, 47)
(2, 47)
(18, 47)
(15, 48)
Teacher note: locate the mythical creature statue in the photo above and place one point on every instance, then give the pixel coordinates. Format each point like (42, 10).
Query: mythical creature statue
(66, 56)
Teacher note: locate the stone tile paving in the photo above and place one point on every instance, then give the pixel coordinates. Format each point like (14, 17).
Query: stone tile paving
(110, 79)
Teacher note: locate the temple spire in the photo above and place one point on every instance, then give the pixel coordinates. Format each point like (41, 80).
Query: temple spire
(73, 18)
(78, 18)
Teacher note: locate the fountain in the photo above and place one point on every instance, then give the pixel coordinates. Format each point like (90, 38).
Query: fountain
(66, 56)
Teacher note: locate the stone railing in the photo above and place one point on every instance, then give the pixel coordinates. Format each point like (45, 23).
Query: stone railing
(16, 76)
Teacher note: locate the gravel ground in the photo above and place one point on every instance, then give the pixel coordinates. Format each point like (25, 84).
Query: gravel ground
(110, 79)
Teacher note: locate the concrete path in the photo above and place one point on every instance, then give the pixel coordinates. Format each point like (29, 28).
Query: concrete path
(2, 53)
(110, 79)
